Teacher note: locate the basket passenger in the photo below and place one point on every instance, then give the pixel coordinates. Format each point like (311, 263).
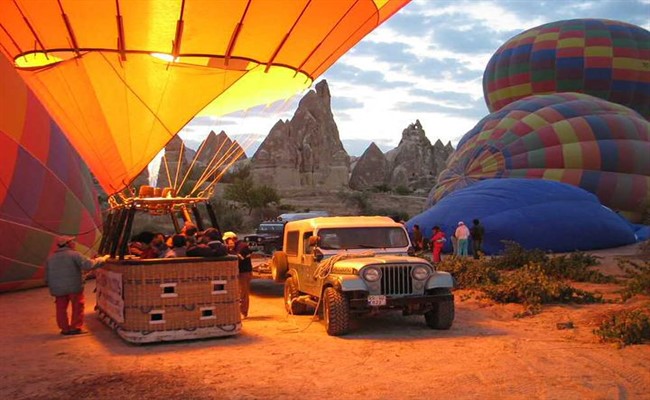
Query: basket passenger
(243, 253)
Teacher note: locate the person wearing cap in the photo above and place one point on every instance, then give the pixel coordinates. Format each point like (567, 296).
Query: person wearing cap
(462, 233)
(64, 278)
(243, 253)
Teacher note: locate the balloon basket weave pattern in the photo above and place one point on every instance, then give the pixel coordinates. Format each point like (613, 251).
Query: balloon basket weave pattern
(171, 299)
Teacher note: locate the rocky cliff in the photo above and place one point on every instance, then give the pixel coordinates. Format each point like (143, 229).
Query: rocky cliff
(370, 170)
(306, 151)
(415, 163)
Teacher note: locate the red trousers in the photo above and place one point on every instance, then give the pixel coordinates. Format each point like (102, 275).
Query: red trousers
(437, 250)
(78, 304)
(244, 291)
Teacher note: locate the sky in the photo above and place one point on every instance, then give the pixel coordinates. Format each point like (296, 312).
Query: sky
(426, 63)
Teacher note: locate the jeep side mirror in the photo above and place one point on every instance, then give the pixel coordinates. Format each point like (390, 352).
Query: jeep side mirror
(410, 251)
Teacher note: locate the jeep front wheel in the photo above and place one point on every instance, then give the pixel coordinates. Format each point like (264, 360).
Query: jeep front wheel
(291, 293)
(337, 312)
(442, 315)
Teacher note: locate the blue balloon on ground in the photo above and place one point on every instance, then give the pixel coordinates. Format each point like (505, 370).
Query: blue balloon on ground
(537, 214)
(642, 232)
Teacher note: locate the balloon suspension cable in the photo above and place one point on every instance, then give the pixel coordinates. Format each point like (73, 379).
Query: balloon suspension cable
(228, 159)
(236, 152)
(205, 174)
(169, 178)
(196, 157)
(178, 168)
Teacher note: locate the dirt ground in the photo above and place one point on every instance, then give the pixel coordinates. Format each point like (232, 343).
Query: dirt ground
(487, 354)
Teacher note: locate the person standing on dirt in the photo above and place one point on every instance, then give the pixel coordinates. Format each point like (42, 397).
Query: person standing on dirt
(438, 240)
(64, 278)
(477, 232)
(418, 239)
(462, 234)
(243, 253)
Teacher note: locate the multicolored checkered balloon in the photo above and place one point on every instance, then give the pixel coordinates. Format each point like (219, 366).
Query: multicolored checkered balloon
(603, 58)
(573, 138)
(45, 188)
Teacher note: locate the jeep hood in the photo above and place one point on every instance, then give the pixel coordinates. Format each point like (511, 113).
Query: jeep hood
(360, 262)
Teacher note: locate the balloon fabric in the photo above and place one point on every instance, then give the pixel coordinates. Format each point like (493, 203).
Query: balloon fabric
(603, 58)
(537, 214)
(573, 138)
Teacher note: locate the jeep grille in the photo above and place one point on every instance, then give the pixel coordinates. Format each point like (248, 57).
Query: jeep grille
(396, 280)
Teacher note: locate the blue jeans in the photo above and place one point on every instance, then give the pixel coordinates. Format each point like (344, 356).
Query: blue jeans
(462, 247)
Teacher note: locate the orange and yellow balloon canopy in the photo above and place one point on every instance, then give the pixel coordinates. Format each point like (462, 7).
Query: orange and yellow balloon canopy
(122, 77)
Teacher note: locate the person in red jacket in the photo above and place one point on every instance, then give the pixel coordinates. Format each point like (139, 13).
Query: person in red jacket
(437, 242)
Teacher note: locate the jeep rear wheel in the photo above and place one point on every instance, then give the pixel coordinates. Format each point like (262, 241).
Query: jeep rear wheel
(442, 315)
(279, 266)
(290, 294)
(337, 312)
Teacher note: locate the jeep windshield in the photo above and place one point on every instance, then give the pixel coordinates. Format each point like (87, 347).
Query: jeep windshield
(270, 228)
(362, 238)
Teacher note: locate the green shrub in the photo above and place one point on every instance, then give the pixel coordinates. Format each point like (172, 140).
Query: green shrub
(469, 273)
(576, 267)
(532, 287)
(638, 274)
(626, 327)
(514, 256)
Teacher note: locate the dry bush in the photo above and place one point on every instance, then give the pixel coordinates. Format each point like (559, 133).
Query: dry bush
(638, 278)
(532, 287)
(626, 327)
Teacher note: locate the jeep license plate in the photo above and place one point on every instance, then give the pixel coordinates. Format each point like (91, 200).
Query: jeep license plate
(376, 300)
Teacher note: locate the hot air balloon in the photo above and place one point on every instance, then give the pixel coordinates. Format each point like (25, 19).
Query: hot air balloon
(574, 138)
(122, 77)
(45, 188)
(603, 58)
(537, 214)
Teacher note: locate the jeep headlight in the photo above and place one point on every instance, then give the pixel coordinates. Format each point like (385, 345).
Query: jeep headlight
(371, 274)
(420, 273)
(259, 240)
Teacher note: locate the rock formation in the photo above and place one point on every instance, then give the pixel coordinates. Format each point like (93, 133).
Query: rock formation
(174, 165)
(306, 151)
(415, 163)
(219, 148)
(216, 152)
(371, 169)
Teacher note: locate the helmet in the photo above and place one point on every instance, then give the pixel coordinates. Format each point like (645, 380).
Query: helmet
(229, 235)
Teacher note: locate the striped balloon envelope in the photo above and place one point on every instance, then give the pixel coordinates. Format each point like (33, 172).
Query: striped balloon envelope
(45, 188)
(574, 138)
(603, 58)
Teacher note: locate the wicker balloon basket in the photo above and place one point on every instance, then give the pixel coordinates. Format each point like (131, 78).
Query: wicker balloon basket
(169, 299)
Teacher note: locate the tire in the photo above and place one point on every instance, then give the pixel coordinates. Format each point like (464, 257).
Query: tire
(442, 315)
(279, 266)
(290, 293)
(336, 311)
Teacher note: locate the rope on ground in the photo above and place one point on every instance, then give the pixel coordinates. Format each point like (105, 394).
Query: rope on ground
(323, 270)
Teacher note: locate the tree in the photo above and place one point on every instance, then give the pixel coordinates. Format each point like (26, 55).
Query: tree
(244, 191)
